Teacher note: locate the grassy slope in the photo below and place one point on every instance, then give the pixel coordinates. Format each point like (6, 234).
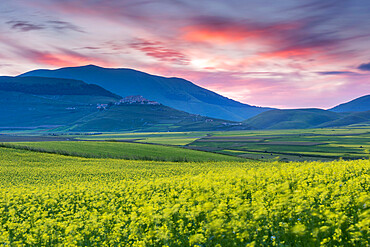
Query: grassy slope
(353, 118)
(123, 150)
(144, 118)
(26, 110)
(305, 118)
(291, 119)
(35, 101)
(79, 113)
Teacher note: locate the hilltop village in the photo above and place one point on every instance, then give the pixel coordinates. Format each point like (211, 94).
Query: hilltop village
(130, 100)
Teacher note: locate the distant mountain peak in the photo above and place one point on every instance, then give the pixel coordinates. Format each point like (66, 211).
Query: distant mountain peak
(91, 66)
(88, 66)
(357, 105)
(174, 92)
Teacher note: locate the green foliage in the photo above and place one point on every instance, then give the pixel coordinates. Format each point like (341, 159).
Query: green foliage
(47, 199)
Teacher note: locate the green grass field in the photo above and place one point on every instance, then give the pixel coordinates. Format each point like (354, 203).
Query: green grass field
(167, 138)
(296, 145)
(287, 145)
(56, 200)
(121, 150)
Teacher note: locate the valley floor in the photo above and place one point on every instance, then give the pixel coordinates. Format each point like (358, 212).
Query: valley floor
(284, 145)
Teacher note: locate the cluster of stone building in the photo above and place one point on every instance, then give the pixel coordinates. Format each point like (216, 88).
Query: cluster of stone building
(130, 100)
(136, 99)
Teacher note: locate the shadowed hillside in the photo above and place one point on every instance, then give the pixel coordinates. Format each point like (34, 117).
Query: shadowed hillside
(35, 101)
(173, 92)
(291, 119)
(52, 86)
(129, 117)
(353, 118)
(356, 105)
(66, 104)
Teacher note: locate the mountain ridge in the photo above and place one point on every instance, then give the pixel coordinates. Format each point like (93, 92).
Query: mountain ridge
(306, 118)
(52, 86)
(71, 105)
(291, 118)
(174, 92)
(358, 104)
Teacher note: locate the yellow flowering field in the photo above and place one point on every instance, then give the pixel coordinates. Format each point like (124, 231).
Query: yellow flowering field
(54, 200)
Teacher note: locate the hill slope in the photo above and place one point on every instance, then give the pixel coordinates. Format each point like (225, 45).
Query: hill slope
(129, 117)
(356, 105)
(291, 119)
(72, 105)
(52, 86)
(353, 118)
(31, 101)
(173, 92)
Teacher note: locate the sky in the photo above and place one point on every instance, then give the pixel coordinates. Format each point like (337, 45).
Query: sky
(285, 54)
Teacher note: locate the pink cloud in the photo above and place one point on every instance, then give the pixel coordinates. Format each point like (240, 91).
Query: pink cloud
(159, 51)
(62, 58)
(267, 60)
(281, 90)
(225, 31)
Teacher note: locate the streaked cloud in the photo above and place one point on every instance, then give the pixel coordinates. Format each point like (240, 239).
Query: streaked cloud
(24, 26)
(261, 52)
(63, 25)
(336, 73)
(62, 58)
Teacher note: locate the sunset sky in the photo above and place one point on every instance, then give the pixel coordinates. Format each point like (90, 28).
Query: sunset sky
(285, 54)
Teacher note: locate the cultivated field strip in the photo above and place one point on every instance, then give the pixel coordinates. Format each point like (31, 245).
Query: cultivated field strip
(54, 200)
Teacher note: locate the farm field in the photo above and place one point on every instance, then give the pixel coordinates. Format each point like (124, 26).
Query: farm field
(121, 150)
(286, 145)
(184, 123)
(166, 138)
(291, 145)
(50, 199)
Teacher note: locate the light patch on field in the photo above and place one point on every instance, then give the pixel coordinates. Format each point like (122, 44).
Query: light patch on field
(292, 143)
(169, 140)
(234, 151)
